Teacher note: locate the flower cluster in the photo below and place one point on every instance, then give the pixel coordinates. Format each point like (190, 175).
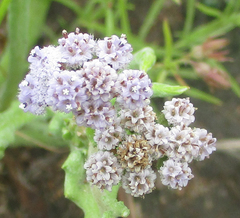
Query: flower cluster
(67, 78)
(90, 79)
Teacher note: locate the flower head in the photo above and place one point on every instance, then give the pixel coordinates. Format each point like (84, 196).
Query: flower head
(48, 58)
(103, 170)
(175, 174)
(99, 80)
(114, 51)
(158, 137)
(179, 111)
(212, 48)
(205, 142)
(215, 78)
(109, 138)
(65, 91)
(138, 120)
(95, 114)
(135, 153)
(76, 48)
(134, 89)
(139, 183)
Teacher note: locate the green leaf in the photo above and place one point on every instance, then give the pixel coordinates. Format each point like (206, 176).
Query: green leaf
(73, 6)
(168, 43)
(203, 96)
(234, 85)
(94, 202)
(24, 28)
(3, 9)
(143, 59)
(215, 28)
(57, 123)
(210, 11)
(178, 2)
(11, 120)
(36, 134)
(90, 134)
(18, 41)
(149, 20)
(36, 23)
(164, 90)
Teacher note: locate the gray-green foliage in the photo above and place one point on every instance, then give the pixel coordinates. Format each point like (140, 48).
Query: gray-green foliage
(10, 121)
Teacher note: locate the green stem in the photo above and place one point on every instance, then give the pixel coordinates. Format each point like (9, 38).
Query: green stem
(162, 76)
(93, 201)
(153, 12)
(189, 17)
(109, 19)
(168, 41)
(125, 24)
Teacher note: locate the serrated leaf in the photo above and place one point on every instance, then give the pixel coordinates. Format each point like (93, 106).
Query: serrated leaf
(164, 90)
(94, 202)
(11, 120)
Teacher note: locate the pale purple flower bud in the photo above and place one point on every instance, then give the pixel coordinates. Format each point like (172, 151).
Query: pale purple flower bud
(139, 183)
(32, 95)
(134, 89)
(76, 48)
(109, 138)
(179, 111)
(103, 170)
(158, 136)
(48, 58)
(99, 80)
(114, 51)
(95, 114)
(205, 142)
(65, 91)
(138, 120)
(175, 174)
(180, 144)
(33, 91)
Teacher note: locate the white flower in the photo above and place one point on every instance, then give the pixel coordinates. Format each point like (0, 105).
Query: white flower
(179, 111)
(175, 174)
(139, 184)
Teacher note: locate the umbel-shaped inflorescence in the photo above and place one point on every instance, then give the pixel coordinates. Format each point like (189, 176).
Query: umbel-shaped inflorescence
(85, 76)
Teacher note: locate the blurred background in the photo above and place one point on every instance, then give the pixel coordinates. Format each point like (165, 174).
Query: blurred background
(197, 44)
